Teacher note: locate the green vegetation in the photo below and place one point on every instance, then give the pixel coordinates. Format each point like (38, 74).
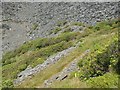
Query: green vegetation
(101, 64)
(105, 25)
(108, 80)
(102, 59)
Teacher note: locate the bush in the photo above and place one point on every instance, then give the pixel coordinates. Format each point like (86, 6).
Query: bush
(99, 62)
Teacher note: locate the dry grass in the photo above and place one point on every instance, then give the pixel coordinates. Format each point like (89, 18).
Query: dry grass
(69, 83)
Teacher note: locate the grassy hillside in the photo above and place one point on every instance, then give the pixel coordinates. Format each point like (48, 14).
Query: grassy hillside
(101, 63)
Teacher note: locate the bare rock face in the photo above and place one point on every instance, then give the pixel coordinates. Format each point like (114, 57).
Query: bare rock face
(25, 21)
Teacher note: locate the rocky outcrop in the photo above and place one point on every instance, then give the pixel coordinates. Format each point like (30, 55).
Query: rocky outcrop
(51, 60)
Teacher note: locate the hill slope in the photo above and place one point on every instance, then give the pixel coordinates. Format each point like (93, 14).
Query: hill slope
(93, 57)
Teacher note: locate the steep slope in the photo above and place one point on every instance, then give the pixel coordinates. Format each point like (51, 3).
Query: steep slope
(100, 40)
